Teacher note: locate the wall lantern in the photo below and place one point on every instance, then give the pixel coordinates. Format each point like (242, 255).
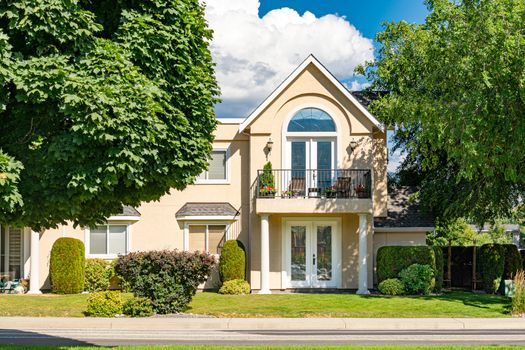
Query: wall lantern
(268, 148)
(353, 145)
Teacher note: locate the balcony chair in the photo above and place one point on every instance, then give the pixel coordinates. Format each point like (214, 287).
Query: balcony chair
(297, 186)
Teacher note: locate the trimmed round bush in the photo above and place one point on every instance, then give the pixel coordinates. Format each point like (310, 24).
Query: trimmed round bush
(491, 266)
(232, 263)
(105, 304)
(67, 266)
(235, 287)
(138, 307)
(97, 275)
(418, 279)
(168, 278)
(391, 286)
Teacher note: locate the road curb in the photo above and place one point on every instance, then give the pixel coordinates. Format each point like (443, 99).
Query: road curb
(166, 323)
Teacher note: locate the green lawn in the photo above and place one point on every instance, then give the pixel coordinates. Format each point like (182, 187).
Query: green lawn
(453, 304)
(344, 347)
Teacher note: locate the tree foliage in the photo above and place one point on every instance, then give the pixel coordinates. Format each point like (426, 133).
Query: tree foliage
(102, 103)
(457, 94)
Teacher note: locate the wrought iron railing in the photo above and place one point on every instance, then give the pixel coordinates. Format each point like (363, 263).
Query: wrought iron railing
(314, 183)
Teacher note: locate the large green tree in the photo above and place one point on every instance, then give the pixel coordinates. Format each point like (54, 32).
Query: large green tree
(457, 95)
(102, 103)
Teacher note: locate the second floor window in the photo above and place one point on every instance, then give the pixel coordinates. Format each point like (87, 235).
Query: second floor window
(217, 169)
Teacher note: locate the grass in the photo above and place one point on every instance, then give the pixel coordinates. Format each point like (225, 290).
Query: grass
(453, 304)
(188, 347)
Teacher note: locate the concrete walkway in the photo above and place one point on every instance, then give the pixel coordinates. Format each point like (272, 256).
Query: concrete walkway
(259, 331)
(174, 323)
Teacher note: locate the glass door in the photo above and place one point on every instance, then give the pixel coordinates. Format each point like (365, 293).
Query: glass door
(311, 162)
(300, 266)
(323, 263)
(312, 251)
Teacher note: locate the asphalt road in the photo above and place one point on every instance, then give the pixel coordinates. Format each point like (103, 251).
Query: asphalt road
(113, 337)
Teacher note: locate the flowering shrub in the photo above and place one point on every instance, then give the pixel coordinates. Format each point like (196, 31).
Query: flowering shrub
(168, 278)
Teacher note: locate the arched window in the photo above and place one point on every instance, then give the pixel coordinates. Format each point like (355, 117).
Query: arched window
(311, 120)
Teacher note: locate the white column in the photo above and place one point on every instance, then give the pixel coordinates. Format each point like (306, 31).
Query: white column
(265, 255)
(34, 282)
(363, 252)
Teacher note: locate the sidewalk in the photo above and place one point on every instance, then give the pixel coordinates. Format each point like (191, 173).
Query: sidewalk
(167, 323)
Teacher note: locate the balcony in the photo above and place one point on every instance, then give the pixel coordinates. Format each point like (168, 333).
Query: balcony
(313, 191)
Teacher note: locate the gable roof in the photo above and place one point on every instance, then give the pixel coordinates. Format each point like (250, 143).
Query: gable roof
(309, 60)
(404, 211)
(207, 209)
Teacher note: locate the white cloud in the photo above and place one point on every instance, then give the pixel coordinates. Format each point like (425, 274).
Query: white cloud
(355, 85)
(254, 54)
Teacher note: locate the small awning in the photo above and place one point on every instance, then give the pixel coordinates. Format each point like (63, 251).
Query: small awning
(207, 211)
(128, 213)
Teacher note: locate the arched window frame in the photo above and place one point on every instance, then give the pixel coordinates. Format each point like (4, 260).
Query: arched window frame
(287, 135)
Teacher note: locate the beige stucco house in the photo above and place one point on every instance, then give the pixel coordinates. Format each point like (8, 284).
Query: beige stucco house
(315, 220)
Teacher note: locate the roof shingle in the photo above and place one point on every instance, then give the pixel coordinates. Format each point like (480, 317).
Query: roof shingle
(207, 209)
(404, 210)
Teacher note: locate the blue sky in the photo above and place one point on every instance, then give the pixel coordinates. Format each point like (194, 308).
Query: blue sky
(366, 16)
(257, 43)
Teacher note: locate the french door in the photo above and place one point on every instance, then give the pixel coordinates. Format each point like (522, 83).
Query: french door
(312, 254)
(312, 159)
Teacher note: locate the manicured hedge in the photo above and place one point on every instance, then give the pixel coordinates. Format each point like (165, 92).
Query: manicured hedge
(168, 278)
(66, 267)
(491, 266)
(391, 260)
(232, 263)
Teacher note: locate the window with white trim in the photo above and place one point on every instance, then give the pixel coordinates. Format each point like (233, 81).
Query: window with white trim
(206, 238)
(108, 240)
(217, 168)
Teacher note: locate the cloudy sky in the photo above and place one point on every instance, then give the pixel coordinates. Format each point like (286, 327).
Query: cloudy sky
(257, 43)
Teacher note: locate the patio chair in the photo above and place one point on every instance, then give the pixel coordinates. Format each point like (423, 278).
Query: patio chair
(12, 285)
(3, 285)
(343, 187)
(297, 186)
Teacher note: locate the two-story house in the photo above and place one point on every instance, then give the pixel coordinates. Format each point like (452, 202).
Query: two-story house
(315, 220)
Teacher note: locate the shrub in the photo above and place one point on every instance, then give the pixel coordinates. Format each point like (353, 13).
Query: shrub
(391, 286)
(440, 268)
(66, 267)
(418, 279)
(267, 178)
(105, 304)
(391, 260)
(235, 287)
(518, 299)
(491, 265)
(232, 263)
(138, 307)
(168, 278)
(97, 275)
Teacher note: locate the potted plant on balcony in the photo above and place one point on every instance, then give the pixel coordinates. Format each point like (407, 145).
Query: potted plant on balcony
(288, 194)
(361, 191)
(267, 182)
(331, 192)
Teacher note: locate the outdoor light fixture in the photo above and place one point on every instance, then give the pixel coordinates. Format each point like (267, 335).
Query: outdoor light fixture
(353, 145)
(269, 145)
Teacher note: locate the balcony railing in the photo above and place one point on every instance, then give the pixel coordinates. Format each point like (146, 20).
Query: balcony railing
(314, 183)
